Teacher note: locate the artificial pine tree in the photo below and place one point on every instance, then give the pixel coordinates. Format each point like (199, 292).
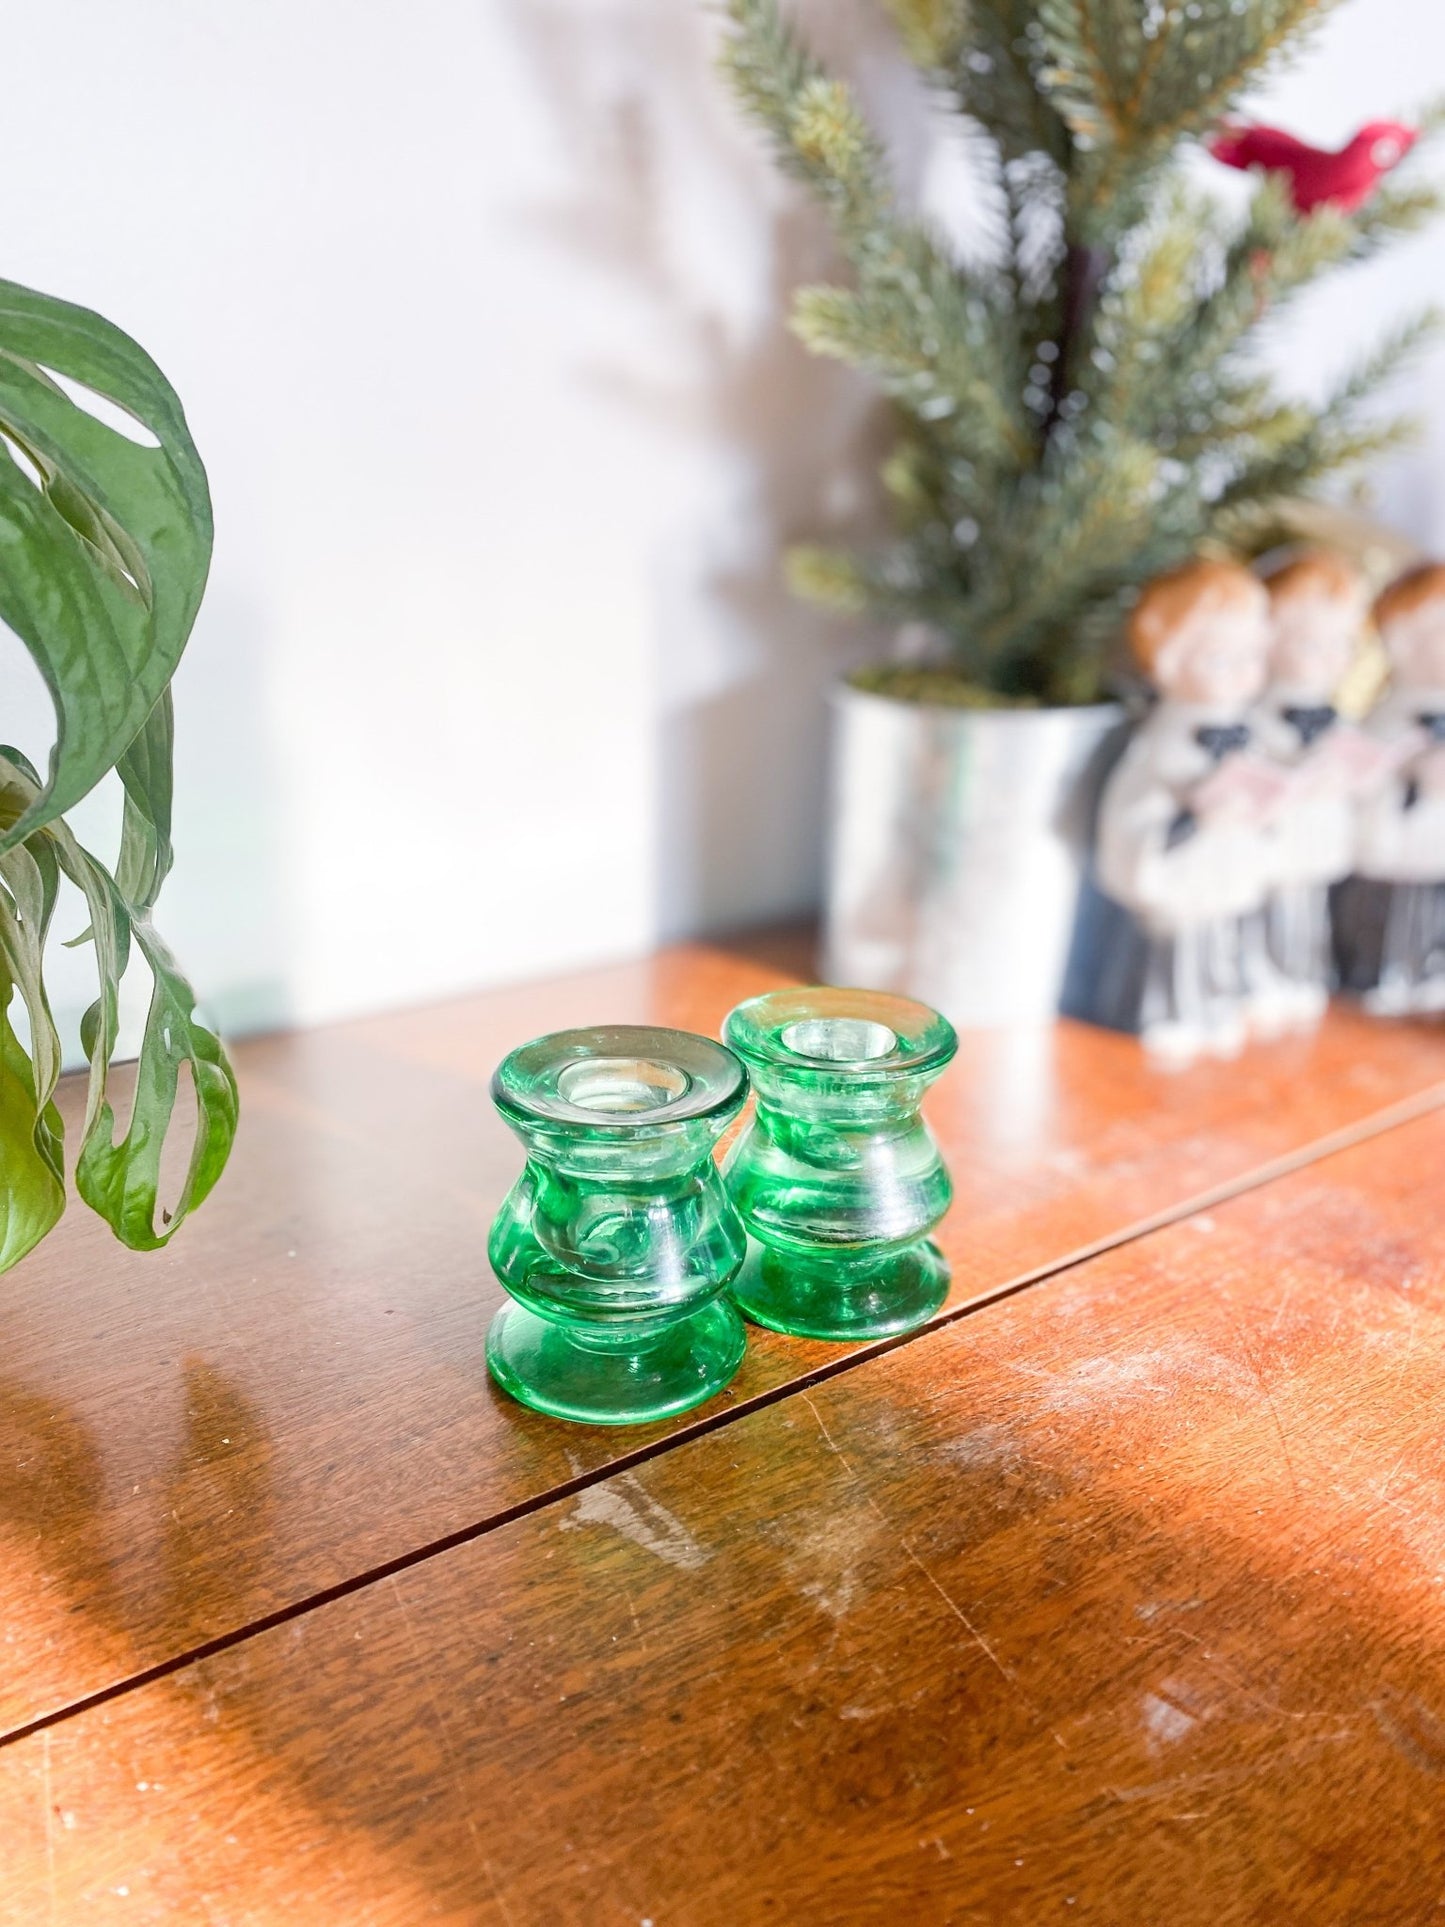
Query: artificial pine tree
(1082, 410)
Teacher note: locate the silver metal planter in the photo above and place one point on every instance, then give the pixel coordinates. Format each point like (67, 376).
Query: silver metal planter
(959, 838)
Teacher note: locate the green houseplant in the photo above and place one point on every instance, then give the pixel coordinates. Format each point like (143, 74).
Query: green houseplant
(1077, 408)
(105, 543)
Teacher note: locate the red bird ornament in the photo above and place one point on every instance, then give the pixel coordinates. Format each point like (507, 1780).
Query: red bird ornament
(1317, 177)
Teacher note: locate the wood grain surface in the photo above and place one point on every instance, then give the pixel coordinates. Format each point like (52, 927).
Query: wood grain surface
(294, 1392)
(1120, 1601)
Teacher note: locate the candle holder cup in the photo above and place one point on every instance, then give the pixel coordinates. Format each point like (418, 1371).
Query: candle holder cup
(837, 1177)
(618, 1240)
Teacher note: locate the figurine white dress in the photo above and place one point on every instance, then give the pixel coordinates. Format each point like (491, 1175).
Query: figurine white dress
(1179, 840)
(1318, 605)
(1398, 918)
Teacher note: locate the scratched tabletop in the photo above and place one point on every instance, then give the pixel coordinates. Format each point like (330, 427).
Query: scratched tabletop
(1116, 1594)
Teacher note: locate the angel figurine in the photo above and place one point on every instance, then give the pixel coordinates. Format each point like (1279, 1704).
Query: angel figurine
(1390, 915)
(1180, 841)
(1318, 605)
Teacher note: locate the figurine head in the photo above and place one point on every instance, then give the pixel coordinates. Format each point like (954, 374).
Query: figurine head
(1317, 605)
(1201, 633)
(1411, 619)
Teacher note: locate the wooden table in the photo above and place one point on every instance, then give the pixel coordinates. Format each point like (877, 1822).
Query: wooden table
(1117, 1594)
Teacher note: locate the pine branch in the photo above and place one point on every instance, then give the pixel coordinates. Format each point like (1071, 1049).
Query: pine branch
(917, 483)
(768, 69)
(1388, 360)
(1400, 206)
(1336, 436)
(1167, 344)
(833, 578)
(1131, 83)
(908, 581)
(1077, 517)
(993, 78)
(928, 350)
(939, 344)
(1146, 304)
(816, 127)
(1302, 464)
(1242, 419)
(1392, 211)
(933, 32)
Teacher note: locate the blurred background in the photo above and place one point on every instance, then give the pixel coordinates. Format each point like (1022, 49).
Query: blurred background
(477, 309)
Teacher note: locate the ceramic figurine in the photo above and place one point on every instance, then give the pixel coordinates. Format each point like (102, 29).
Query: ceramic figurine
(1390, 916)
(1318, 606)
(1180, 841)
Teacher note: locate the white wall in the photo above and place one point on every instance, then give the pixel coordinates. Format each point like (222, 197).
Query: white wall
(475, 306)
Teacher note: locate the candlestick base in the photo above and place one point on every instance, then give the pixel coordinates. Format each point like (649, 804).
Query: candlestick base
(842, 1296)
(543, 1367)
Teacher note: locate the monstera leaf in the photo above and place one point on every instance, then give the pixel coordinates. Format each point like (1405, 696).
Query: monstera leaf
(32, 1183)
(105, 541)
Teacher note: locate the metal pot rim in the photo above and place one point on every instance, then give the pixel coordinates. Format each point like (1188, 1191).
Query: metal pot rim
(845, 692)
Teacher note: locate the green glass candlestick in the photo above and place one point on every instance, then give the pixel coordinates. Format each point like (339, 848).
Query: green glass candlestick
(837, 1177)
(618, 1239)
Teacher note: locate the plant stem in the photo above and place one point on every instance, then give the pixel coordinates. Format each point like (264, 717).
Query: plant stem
(1084, 271)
